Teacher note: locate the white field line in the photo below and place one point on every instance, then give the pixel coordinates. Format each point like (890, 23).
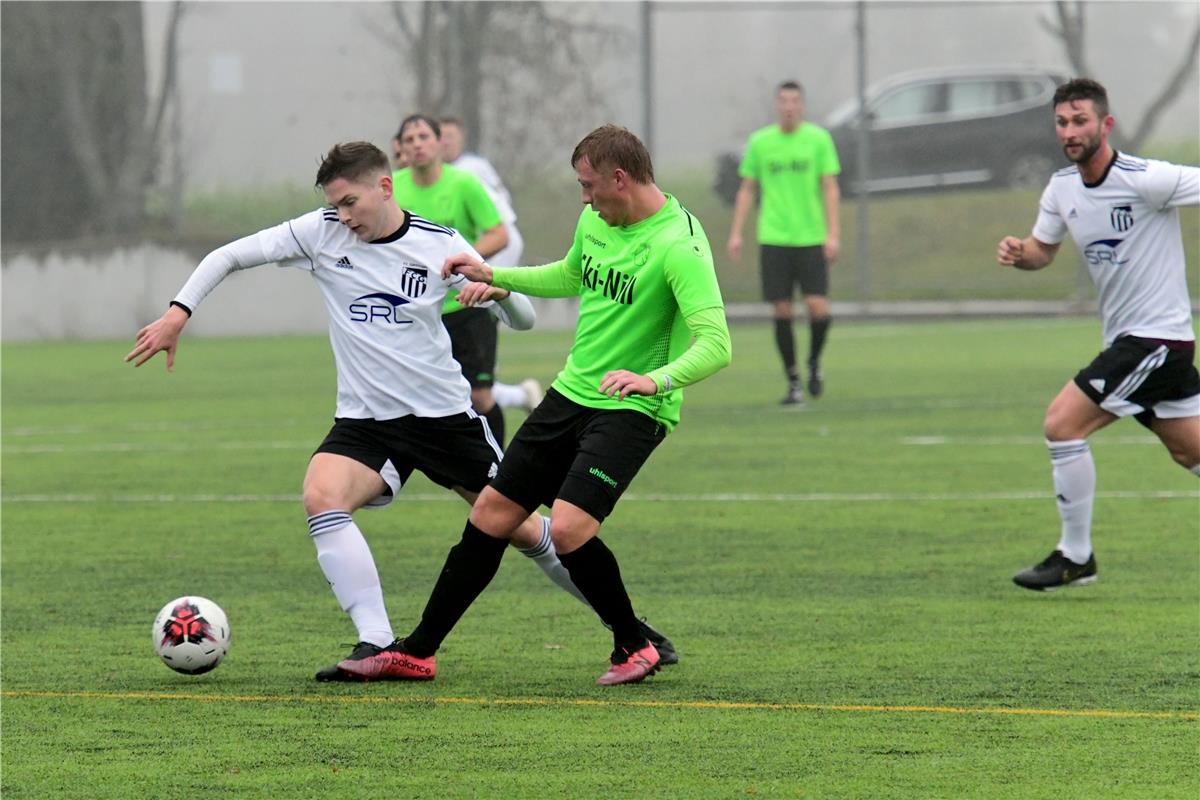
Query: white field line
(715, 497)
(180, 447)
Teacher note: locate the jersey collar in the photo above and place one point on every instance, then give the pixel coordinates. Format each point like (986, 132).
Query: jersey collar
(399, 233)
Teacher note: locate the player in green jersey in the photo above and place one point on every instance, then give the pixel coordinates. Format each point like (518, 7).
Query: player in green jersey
(651, 321)
(794, 165)
(455, 198)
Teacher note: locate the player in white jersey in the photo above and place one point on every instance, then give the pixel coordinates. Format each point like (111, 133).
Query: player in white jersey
(402, 401)
(1122, 213)
(528, 393)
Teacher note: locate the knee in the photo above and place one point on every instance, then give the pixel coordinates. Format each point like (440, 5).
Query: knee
(1186, 457)
(318, 499)
(1058, 427)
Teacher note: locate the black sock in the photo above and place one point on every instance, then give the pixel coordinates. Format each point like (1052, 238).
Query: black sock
(470, 566)
(818, 328)
(594, 571)
(785, 341)
(495, 418)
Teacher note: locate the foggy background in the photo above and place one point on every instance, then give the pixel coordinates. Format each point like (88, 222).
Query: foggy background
(136, 136)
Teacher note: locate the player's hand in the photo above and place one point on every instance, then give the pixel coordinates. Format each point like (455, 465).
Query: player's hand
(734, 246)
(468, 266)
(162, 334)
(473, 293)
(622, 383)
(832, 249)
(1010, 251)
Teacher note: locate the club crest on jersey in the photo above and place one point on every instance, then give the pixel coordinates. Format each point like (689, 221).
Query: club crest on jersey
(1103, 252)
(414, 281)
(1122, 218)
(378, 308)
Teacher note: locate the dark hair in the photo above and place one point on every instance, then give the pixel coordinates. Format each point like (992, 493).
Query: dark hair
(413, 119)
(1083, 89)
(351, 160)
(614, 146)
(790, 86)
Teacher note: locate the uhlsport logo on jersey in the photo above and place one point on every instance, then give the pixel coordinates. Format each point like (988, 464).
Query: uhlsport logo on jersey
(414, 281)
(379, 307)
(1122, 218)
(1103, 252)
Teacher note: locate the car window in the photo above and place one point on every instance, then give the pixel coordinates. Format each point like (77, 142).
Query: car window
(973, 97)
(909, 104)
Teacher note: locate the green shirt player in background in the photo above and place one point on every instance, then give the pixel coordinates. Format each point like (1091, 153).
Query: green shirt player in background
(455, 198)
(795, 166)
(651, 321)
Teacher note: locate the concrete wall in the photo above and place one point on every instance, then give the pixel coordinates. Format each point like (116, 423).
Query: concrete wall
(112, 295)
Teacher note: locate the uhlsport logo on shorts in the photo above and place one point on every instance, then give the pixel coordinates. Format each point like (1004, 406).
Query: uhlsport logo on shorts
(599, 473)
(378, 307)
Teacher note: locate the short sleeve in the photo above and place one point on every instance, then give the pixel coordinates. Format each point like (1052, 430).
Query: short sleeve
(483, 211)
(693, 279)
(749, 168)
(1166, 185)
(830, 165)
(1050, 227)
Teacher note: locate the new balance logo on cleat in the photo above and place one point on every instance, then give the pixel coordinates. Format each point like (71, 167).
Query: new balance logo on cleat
(370, 662)
(343, 263)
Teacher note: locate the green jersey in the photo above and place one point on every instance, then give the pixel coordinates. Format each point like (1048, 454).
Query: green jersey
(456, 199)
(789, 168)
(636, 285)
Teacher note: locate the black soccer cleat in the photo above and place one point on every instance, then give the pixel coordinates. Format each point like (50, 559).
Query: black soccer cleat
(1057, 571)
(667, 655)
(794, 396)
(816, 382)
(361, 651)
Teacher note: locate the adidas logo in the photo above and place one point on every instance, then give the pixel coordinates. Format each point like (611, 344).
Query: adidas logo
(343, 263)
(1097, 384)
(1073, 214)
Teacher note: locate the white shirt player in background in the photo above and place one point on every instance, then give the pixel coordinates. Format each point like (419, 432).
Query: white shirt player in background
(528, 393)
(1121, 211)
(398, 389)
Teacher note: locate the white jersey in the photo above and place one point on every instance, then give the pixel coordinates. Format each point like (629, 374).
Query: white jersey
(384, 300)
(1127, 228)
(481, 168)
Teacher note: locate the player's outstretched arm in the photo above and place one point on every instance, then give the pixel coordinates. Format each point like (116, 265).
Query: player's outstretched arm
(162, 334)
(467, 265)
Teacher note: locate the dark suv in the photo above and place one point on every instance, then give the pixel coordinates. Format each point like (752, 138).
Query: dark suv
(928, 130)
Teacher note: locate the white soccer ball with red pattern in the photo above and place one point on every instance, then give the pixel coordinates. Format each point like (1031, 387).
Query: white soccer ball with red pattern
(191, 635)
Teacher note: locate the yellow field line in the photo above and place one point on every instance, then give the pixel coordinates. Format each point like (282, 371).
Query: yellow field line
(547, 702)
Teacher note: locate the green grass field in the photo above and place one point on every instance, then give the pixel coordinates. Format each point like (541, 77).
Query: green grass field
(837, 581)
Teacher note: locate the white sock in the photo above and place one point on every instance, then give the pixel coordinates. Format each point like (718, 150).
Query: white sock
(1074, 490)
(544, 555)
(346, 561)
(508, 395)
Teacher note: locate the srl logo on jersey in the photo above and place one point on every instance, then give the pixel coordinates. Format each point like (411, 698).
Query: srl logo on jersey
(379, 308)
(1122, 218)
(1104, 252)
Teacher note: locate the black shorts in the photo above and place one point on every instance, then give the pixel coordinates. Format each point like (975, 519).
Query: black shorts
(586, 456)
(783, 268)
(473, 338)
(451, 451)
(1144, 378)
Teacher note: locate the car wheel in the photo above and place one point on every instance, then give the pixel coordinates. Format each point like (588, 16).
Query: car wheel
(1028, 171)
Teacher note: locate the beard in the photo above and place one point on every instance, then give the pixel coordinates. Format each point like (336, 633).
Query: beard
(1089, 148)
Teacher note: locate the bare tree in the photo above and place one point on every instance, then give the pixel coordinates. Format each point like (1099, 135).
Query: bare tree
(86, 127)
(1070, 28)
(500, 64)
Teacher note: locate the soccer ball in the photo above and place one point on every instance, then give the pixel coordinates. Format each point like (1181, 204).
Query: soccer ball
(191, 635)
